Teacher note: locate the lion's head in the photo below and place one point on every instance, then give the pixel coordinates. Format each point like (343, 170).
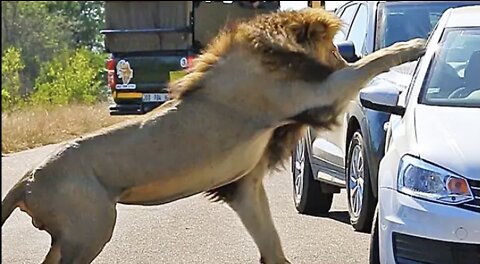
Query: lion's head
(310, 31)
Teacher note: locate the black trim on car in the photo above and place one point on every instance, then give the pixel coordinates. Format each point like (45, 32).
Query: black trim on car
(409, 249)
(398, 110)
(319, 165)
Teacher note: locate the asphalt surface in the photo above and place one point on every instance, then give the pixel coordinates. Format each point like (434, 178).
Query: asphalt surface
(193, 230)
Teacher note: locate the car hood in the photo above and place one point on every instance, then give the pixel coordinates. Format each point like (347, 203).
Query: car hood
(450, 138)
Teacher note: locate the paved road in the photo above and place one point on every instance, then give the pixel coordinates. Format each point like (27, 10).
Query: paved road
(192, 230)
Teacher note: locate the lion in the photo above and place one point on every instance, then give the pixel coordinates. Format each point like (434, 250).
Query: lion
(234, 117)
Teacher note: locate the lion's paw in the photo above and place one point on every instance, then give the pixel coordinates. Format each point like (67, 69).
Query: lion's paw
(408, 50)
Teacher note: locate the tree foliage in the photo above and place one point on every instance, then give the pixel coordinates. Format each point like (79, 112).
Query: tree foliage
(37, 35)
(70, 77)
(12, 64)
(84, 20)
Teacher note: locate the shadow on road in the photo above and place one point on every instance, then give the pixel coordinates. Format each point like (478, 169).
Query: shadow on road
(340, 216)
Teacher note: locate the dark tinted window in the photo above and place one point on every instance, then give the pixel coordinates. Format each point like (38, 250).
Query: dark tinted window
(413, 19)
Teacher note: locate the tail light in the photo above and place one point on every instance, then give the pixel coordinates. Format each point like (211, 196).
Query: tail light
(110, 63)
(190, 60)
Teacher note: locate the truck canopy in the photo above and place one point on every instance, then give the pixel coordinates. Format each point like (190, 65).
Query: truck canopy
(211, 16)
(139, 26)
(147, 25)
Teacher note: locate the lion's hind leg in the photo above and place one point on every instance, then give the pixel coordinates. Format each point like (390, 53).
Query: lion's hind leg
(86, 240)
(78, 214)
(247, 197)
(82, 241)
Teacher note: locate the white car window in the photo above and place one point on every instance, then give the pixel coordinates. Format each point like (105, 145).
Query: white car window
(453, 78)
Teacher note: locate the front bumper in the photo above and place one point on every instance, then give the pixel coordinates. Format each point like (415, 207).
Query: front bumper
(132, 108)
(412, 231)
(131, 103)
(125, 109)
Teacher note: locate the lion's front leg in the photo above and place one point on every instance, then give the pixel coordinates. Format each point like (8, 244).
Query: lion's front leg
(354, 77)
(341, 86)
(382, 60)
(248, 199)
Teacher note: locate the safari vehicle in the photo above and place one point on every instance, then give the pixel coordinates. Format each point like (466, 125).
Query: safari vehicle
(153, 42)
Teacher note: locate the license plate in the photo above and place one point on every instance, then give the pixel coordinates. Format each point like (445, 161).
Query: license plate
(155, 97)
(130, 86)
(175, 75)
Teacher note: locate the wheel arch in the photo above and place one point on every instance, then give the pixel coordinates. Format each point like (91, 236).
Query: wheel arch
(361, 120)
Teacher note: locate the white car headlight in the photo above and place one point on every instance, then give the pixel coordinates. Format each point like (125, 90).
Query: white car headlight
(425, 180)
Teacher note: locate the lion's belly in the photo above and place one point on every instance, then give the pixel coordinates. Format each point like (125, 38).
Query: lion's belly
(225, 168)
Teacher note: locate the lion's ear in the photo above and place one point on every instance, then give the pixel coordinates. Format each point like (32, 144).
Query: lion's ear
(318, 31)
(311, 31)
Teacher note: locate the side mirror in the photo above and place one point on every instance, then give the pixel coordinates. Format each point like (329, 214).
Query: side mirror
(382, 98)
(347, 50)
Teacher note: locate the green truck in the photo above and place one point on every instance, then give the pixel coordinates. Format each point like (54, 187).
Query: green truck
(151, 43)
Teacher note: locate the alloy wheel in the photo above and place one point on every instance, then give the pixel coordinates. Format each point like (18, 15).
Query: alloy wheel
(356, 181)
(299, 170)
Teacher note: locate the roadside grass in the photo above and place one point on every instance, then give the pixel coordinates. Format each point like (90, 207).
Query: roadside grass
(39, 126)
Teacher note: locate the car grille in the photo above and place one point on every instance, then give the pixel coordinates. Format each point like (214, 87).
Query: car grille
(473, 205)
(415, 250)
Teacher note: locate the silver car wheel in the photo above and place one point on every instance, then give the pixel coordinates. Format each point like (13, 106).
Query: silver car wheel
(299, 170)
(356, 181)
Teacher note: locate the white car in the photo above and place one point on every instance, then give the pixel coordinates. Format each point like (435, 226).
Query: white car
(429, 178)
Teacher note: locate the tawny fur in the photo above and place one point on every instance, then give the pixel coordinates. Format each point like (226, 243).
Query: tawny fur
(234, 117)
(289, 33)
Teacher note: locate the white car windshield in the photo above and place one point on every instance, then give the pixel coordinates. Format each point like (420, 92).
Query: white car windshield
(453, 77)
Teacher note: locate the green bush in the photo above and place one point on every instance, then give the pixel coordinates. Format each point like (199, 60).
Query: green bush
(6, 99)
(12, 65)
(70, 77)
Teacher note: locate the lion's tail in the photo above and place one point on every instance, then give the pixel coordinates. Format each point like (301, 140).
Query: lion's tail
(12, 199)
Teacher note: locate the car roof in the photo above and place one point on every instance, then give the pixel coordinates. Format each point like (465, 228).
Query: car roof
(466, 16)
